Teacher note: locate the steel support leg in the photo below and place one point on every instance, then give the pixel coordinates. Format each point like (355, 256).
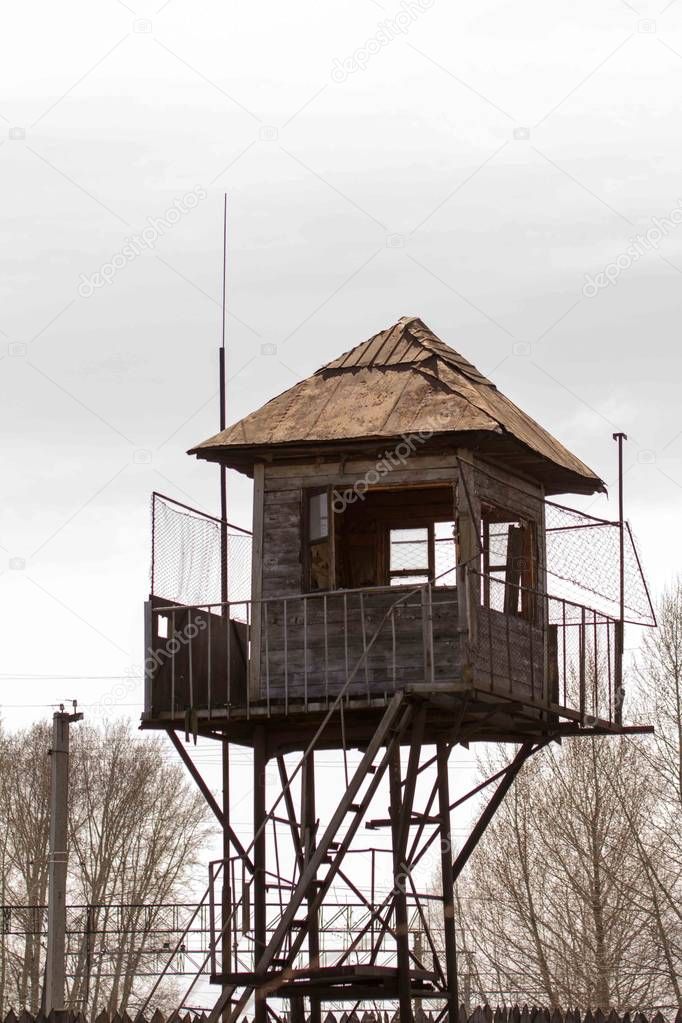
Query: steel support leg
(527, 749)
(399, 898)
(208, 795)
(259, 878)
(226, 900)
(447, 881)
(392, 726)
(308, 824)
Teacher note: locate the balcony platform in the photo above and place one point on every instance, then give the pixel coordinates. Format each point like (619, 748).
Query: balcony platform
(334, 660)
(455, 712)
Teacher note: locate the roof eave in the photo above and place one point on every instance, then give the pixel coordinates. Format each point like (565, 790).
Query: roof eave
(554, 477)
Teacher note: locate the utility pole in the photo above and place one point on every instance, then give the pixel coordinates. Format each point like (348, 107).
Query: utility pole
(55, 966)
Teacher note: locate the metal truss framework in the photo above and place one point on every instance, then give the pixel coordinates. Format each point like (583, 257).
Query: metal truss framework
(278, 952)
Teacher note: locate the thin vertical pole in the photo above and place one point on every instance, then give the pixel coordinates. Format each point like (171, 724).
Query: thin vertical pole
(55, 966)
(225, 951)
(259, 875)
(447, 881)
(620, 632)
(226, 900)
(223, 422)
(399, 886)
(308, 822)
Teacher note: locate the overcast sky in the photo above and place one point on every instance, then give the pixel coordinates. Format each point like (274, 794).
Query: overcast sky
(470, 165)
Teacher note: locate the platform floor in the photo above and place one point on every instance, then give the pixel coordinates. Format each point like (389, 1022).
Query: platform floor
(456, 712)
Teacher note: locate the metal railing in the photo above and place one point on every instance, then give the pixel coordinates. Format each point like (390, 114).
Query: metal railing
(291, 649)
(563, 654)
(310, 643)
(345, 922)
(298, 650)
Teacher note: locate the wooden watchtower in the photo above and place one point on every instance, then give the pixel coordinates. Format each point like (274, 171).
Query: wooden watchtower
(400, 597)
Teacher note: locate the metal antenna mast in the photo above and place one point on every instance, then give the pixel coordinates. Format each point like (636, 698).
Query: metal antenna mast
(223, 422)
(226, 895)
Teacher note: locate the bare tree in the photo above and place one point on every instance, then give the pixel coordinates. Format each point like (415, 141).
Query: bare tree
(658, 670)
(136, 829)
(24, 819)
(554, 907)
(574, 896)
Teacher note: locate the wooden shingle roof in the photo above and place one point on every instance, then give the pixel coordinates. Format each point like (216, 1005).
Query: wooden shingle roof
(403, 380)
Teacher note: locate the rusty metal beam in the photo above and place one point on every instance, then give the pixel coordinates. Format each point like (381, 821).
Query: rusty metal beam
(259, 858)
(393, 724)
(308, 834)
(291, 812)
(447, 884)
(462, 858)
(399, 896)
(208, 796)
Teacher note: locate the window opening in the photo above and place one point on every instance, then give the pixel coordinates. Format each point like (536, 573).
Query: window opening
(318, 542)
(510, 562)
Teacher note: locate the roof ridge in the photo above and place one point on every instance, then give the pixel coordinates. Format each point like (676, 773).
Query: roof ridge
(384, 349)
(402, 378)
(345, 360)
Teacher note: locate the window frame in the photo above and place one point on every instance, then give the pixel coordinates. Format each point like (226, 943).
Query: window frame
(308, 543)
(384, 577)
(525, 582)
(429, 571)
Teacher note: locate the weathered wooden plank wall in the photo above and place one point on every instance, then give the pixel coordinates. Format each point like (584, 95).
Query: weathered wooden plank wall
(325, 640)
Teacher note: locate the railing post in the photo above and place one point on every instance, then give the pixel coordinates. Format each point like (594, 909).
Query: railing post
(305, 652)
(228, 681)
(609, 671)
(531, 660)
(249, 648)
(209, 665)
(619, 691)
(266, 634)
(473, 587)
(286, 656)
(595, 666)
(189, 657)
(620, 630)
(583, 654)
(427, 632)
(172, 636)
(211, 917)
(393, 648)
(326, 648)
(148, 660)
(364, 643)
(551, 672)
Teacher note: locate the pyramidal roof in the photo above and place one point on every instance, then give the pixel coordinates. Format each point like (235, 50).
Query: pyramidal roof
(403, 380)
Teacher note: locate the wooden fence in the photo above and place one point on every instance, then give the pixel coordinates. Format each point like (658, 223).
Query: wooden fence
(482, 1014)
